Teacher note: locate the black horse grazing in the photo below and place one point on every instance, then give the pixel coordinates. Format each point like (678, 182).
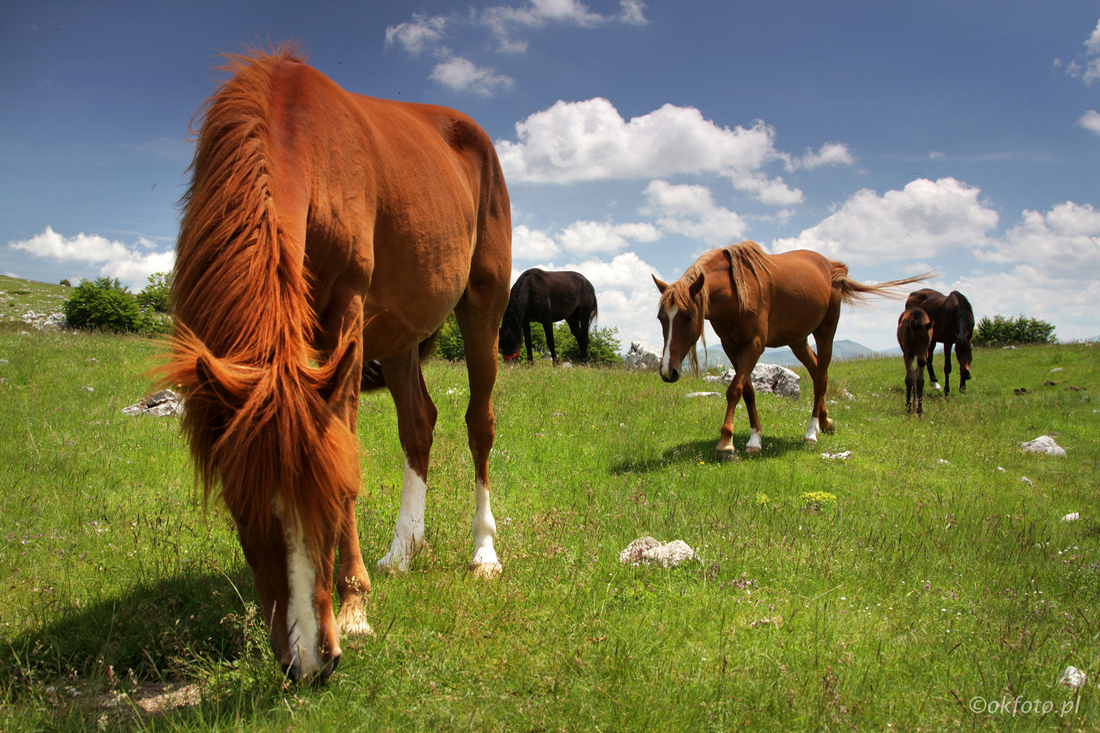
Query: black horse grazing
(915, 334)
(548, 297)
(952, 324)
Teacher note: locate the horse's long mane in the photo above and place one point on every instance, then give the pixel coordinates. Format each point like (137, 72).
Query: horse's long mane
(256, 411)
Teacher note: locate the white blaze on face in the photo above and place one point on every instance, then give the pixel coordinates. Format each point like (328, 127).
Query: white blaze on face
(301, 621)
(670, 315)
(408, 534)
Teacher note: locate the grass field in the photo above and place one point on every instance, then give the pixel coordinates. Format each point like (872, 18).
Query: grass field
(920, 584)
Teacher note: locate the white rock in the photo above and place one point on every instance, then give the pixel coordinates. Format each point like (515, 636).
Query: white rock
(1043, 444)
(1074, 517)
(842, 456)
(1073, 677)
(703, 394)
(642, 356)
(1055, 369)
(158, 404)
(1026, 480)
(647, 550)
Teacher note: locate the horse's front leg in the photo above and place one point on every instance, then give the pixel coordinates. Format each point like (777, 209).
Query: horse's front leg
(416, 416)
(909, 382)
(352, 581)
(920, 391)
(726, 451)
(527, 341)
(548, 329)
(756, 432)
(931, 367)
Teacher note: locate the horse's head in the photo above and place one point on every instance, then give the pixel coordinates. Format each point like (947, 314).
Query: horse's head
(287, 467)
(509, 343)
(681, 314)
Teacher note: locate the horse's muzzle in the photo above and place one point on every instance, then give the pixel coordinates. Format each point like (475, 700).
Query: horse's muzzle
(671, 375)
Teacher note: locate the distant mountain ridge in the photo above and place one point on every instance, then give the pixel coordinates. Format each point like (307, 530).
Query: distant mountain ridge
(842, 350)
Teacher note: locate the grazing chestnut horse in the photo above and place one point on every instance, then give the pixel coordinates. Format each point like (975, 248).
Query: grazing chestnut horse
(915, 332)
(325, 238)
(953, 323)
(754, 300)
(546, 298)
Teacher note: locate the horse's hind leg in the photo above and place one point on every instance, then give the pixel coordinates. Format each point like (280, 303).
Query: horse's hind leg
(920, 390)
(578, 326)
(818, 367)
(526, 341)
(946, 368)
(416, 416)
(477, 323)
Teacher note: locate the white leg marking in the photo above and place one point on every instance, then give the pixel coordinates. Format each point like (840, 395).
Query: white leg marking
(408, 534)
(670, 314)
(485, 563)
(812, 430)
(301, 623)
(755, 441)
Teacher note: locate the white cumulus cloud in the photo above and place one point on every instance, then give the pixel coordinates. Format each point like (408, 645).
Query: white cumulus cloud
(589, 141)
(1064, 243)
(691, 210)
(463, 75)
(129, 263)
(922, 220)
(1090, 121)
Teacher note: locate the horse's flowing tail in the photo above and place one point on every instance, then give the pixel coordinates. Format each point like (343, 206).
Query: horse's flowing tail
(855, 293)
(257, 411)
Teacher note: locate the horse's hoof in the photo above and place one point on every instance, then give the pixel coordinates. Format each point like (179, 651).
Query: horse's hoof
(752, 449)
(830, 426)
(354, 622)
(726, 455)
(487, 570)
(810, 441)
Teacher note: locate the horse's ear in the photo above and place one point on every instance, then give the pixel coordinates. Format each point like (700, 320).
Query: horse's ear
(661, 286)
(695, 287)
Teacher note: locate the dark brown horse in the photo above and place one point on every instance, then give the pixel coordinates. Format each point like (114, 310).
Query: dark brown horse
(915, 333)
(546, 298)
(324, 231)
(754, 300)
(953, 323)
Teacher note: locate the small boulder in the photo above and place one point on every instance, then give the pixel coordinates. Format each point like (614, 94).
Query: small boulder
(649, 551)
(1043, 444)
(642, 356)
(158, 404)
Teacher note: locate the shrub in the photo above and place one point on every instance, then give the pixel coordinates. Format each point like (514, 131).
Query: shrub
(449, 343)
(66, 283)
(155, 295)
(1002, 331)
(104, 304)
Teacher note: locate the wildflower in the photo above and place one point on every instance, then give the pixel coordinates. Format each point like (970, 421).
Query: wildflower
(818, 499)
(762, 498)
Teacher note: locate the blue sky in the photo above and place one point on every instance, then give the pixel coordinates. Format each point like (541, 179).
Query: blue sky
(897, 137)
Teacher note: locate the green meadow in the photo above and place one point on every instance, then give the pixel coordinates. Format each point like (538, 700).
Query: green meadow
(927, 581)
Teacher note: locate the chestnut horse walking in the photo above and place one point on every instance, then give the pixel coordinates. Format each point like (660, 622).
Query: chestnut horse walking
(325, 238)
(546, 298)
(953, 323)
(915, 334)
(754, 300)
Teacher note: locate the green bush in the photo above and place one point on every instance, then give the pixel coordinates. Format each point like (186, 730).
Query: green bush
(1002, 331)
(103, 304)
(155, 294)
(449, 344)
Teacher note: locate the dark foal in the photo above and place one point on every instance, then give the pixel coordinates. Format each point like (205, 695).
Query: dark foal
(915, 332)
